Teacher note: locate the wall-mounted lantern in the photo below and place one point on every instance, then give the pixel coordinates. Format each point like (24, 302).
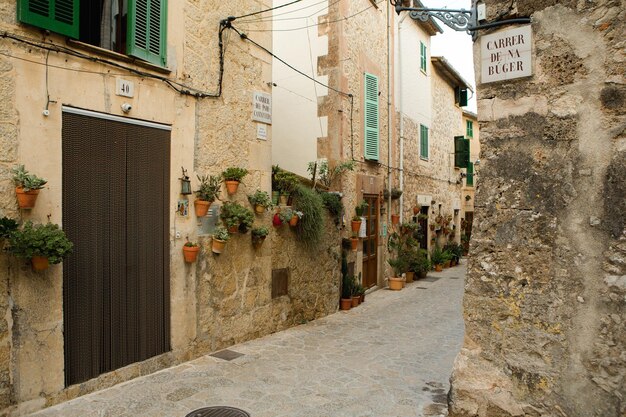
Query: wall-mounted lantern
(185, 183)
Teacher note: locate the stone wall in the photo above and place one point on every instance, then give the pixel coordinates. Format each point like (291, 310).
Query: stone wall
(544, 303)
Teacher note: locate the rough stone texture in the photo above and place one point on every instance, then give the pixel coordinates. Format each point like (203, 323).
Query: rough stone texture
(364, 362)
(544, 303)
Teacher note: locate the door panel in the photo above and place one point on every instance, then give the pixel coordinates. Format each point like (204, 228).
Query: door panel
(370, 243)
(115, 176)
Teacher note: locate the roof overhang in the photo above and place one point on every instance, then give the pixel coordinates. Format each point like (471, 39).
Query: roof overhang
(449, 73)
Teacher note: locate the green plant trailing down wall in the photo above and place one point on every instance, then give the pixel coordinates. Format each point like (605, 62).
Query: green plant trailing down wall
(310, 228)
(40, 240)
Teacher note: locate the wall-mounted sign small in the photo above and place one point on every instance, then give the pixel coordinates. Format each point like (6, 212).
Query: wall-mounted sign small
(506, 55)
(262, 107)
(124, 88)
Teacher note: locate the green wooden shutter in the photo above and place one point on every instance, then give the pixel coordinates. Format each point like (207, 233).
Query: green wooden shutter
(372, 135)
(59, 16)
(423, 56)
(423, 142)
(463, 97)
(470, 129)
(461, 152)
(147, 25)
(470, 175)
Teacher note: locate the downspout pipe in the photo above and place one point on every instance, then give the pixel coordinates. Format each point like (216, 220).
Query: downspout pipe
(389, 131)
(400, 111)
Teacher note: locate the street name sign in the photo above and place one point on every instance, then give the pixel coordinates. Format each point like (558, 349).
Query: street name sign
(506, 55)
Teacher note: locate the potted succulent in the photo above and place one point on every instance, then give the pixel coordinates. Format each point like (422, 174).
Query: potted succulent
(437, 258)
(236, 217)
(258, 235)
(260, 200)
(297, 215)
(190, 251)
(361, 207)
(206, 194)
(220, 237)
(27, 187)
(232, 177)
(42, 244)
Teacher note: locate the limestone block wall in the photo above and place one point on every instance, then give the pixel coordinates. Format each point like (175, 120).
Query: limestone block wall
(544, 303)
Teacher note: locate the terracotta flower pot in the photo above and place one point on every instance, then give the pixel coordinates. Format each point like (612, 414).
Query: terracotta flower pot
(345, 304)
(233, 229)
(395, 218)
(438, 268)
(201, 207)
(231, 186)
(355, 300)
(26, 199)
(447, 264)
(423, 274)
(416, 210)
(259, 209)
(354, 243)
(362, 298)
(294, 221)
(356, 226)
(395, 283)
(409, 277)
(190, 253)
(217, 246)
(39, 263)
(283, 199)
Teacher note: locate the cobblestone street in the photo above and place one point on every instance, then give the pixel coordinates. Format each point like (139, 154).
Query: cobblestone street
(390, 357)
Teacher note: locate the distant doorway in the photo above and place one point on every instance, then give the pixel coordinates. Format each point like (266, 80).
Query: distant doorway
(423, 223)
(370, 242)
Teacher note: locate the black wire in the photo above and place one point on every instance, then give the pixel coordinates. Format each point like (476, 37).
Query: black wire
(263, 11)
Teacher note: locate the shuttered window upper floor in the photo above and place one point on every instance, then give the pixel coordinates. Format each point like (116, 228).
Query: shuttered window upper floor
(132, 27)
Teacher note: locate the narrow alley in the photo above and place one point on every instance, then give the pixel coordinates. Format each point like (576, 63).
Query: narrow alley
(390, 357)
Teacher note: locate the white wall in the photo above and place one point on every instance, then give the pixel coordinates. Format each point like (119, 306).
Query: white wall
(296, 127)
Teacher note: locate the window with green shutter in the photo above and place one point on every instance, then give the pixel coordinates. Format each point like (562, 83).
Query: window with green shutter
(469, 181)
(423, 142)
(461, 152)
(470, 129)
(59, 16)
(147, 29)
(372, 134)
(423, 59)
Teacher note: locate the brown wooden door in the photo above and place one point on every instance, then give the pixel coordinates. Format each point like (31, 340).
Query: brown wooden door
(115, 211)
(370, 243)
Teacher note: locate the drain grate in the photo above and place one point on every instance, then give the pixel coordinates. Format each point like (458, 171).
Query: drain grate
(421, 288)
(227, 354)
(219, 411)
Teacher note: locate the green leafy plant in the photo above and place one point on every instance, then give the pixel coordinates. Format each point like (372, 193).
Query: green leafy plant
(310, 228)
(418, 260)
(347, 286)
(220, 233)
(209, 187)
(284, 181)
(437, 256)
(358, 289)
(47, 240)
(333, 204)
(26, 180)
(190, 244)
(321, 172)
(260, 198)
(455, 249)
(234, 173)
(361, 208)
(400, 265)
(285, 214)
(234, 214)
(7, 227)
(260, 232)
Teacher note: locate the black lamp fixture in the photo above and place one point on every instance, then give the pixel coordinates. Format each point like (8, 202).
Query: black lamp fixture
(185, 183)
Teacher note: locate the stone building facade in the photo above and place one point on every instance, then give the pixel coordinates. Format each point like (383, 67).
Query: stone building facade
(209, 305)
(544, 303)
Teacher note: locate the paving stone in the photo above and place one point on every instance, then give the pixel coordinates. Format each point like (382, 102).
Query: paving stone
(389, 357)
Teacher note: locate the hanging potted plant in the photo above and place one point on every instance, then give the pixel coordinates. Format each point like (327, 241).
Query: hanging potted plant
(260, 200)
(276, 221)
(220, 237)
(259, 234)
(355, 224)
(395, 219)
(236, 218)
(416, 210)
(42, 244)
(297, 215)
(285, 183)
(285, 215)
(232, 177)
(206, 194)
(190, 251)
(27, 187)
(361, 208)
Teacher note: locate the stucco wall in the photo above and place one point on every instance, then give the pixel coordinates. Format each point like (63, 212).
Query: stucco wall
(544, 302)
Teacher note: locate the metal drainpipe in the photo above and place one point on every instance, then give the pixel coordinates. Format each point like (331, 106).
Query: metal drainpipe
(389, 113)
(400, 108)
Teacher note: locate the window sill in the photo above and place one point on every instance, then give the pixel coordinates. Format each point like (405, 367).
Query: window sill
(423, 72)
(424, 159)
(117, 56)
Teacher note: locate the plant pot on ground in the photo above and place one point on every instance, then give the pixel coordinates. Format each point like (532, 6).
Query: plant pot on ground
(35, 242)
(206, 194)
(220, 237)
(259, 234)
(27, 187)
(261, 201)
(347, 285)
(190, 251)
(399, 266)
(232, 177)
(437, 258)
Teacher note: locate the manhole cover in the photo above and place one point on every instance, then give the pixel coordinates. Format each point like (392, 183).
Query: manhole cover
(218, 411)
(227, 355)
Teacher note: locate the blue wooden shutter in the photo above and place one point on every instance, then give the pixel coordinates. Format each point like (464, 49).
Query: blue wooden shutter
(59, 16)
(423, 142)
(372, 134)
(147, 27)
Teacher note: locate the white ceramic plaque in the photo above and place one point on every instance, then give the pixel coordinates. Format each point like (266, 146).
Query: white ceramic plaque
(506, 55)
